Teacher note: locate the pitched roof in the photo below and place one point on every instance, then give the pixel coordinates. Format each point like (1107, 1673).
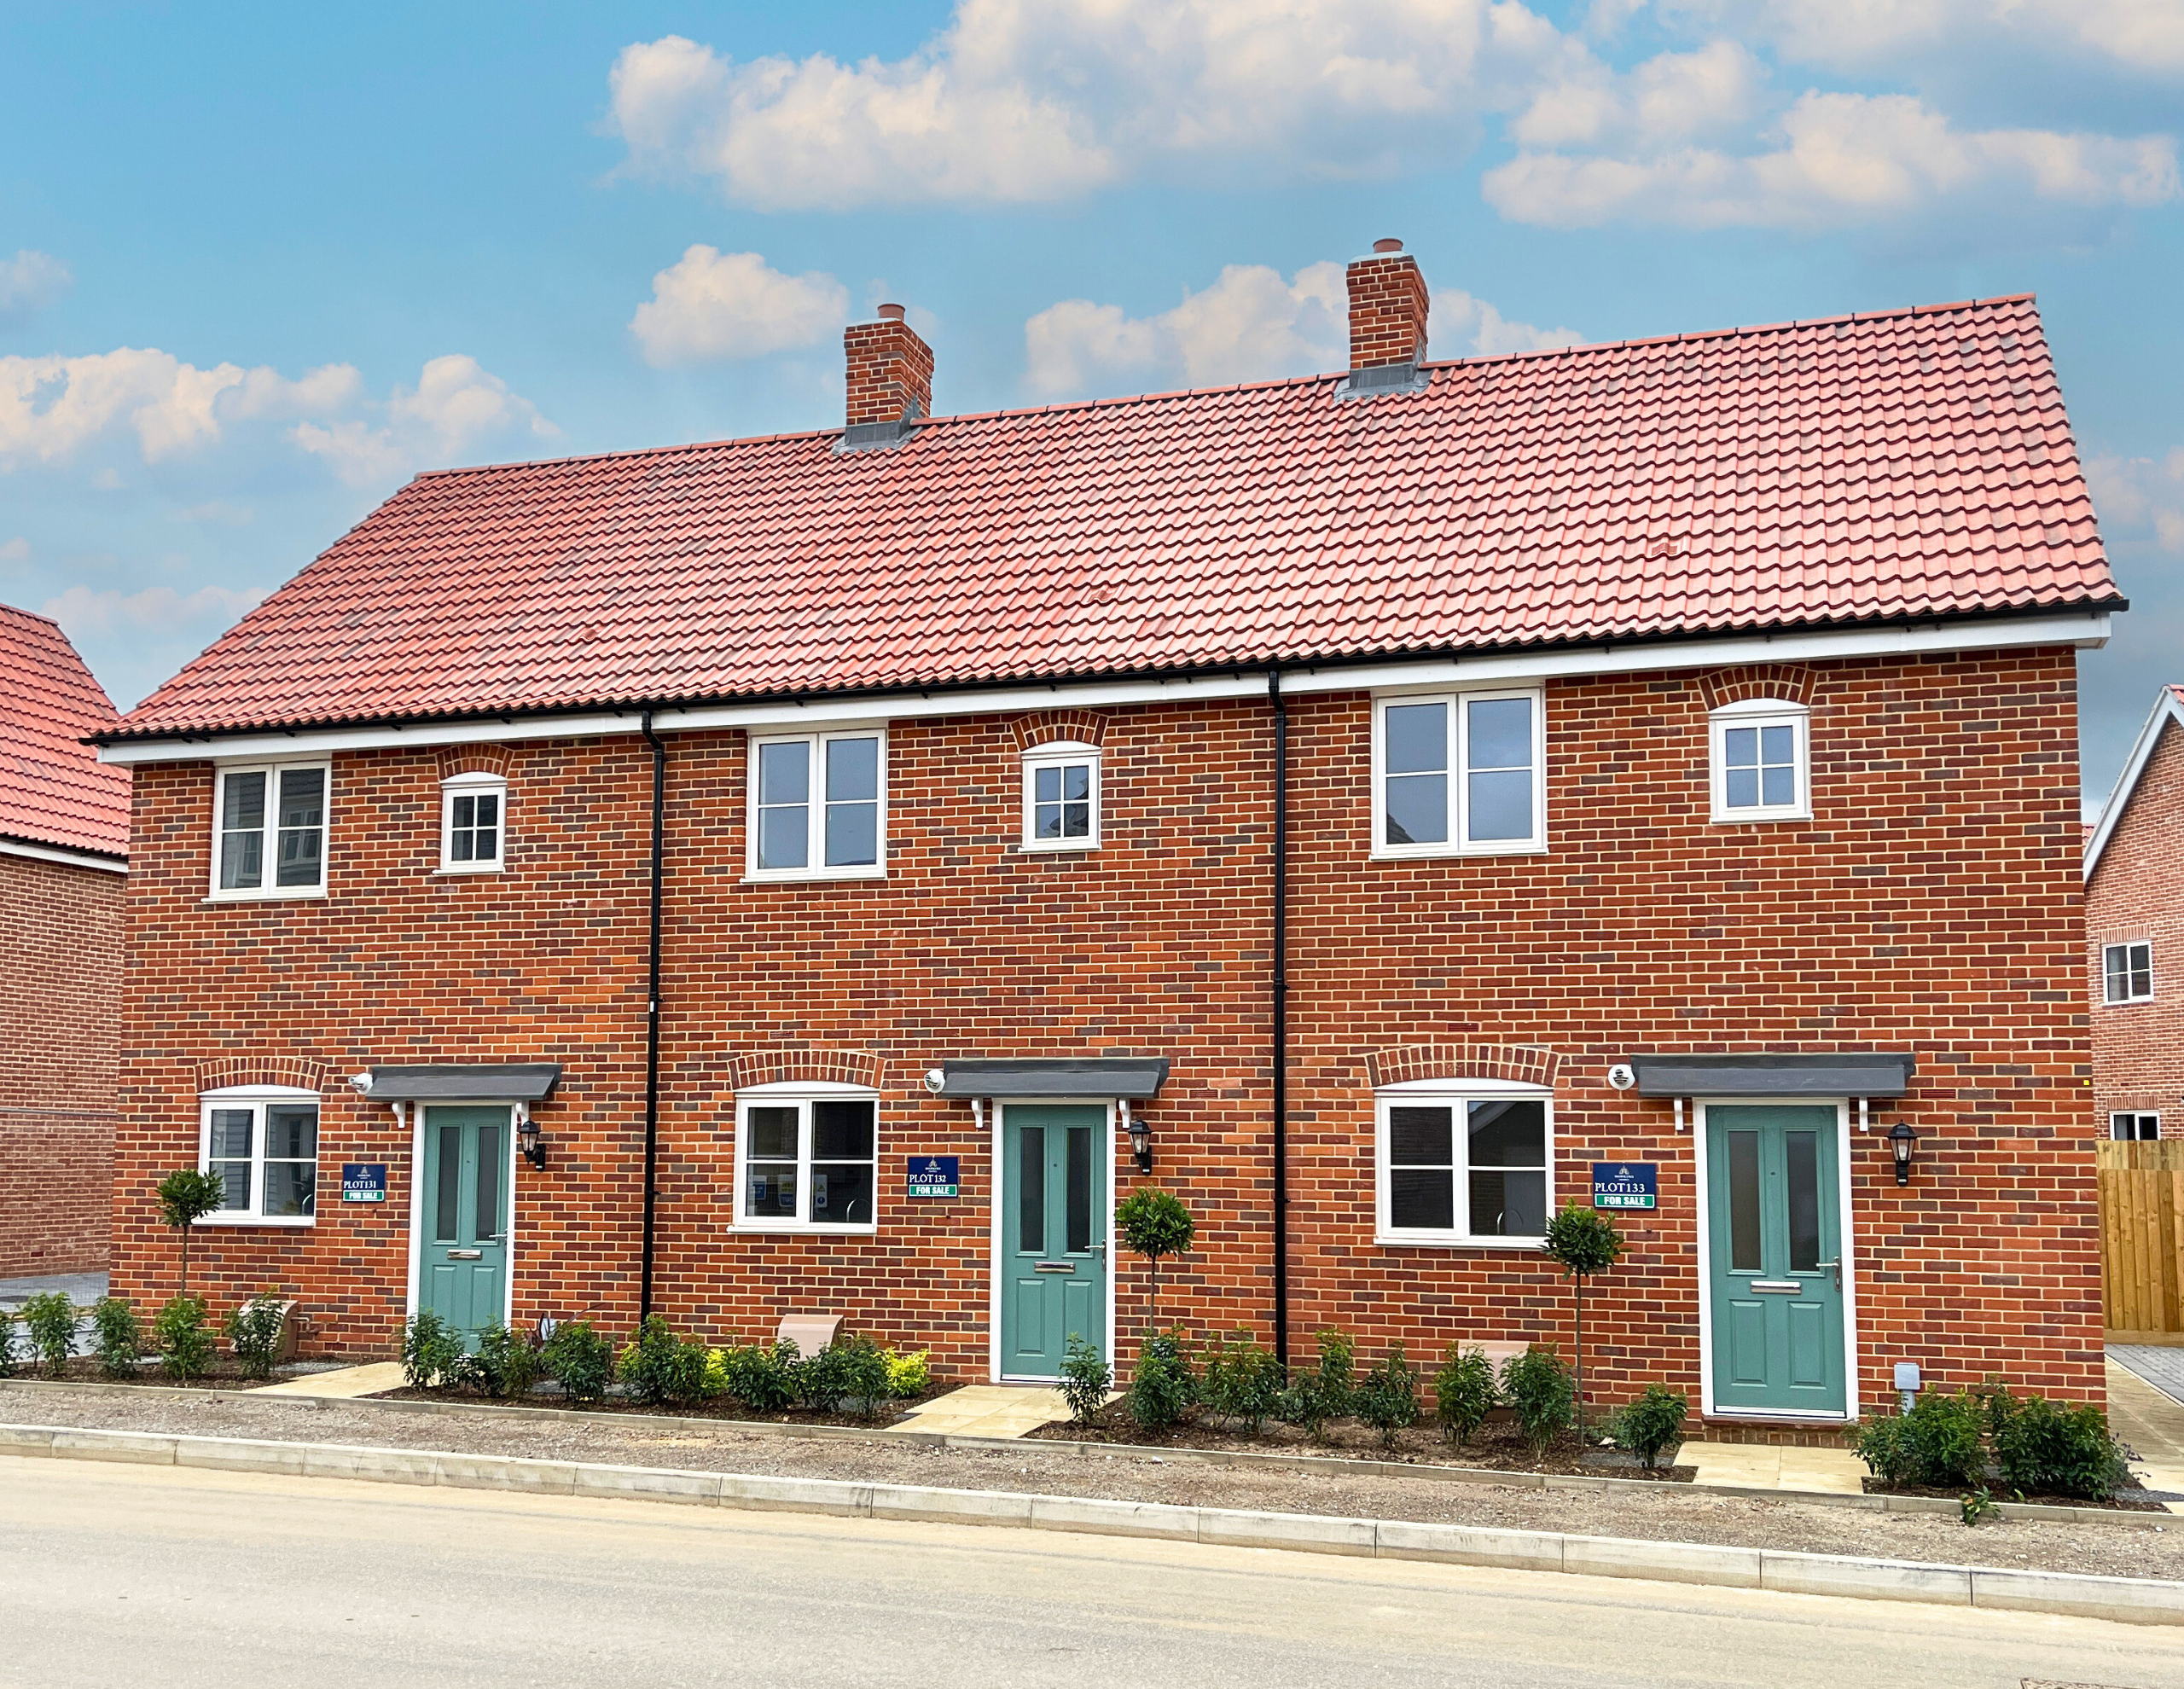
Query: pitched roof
(53, 789)
(2168, 712)
(1916, 464)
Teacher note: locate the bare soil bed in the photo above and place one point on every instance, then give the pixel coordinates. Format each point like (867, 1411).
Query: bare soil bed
(2130, 1499)
(1662, 1512)
(224, 1374)
(705, 1410)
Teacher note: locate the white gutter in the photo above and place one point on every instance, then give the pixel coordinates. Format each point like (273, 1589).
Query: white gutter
(40, 853)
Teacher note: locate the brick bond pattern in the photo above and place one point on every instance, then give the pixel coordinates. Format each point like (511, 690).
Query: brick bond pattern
(1933, 905)
(1387, 310)
(60, 1033)
(2137, 892)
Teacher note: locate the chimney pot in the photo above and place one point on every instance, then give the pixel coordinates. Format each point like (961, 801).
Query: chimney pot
(890, 370)
(1388, 306)
(1383, 244)
(890, 313)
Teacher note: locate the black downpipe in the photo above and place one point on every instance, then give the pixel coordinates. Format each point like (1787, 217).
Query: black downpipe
(1280, 1015)
(652, 1011)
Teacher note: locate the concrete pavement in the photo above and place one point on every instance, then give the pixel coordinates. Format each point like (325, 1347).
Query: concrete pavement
(233, 1579)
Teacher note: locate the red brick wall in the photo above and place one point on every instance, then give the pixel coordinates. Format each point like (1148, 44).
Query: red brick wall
(60, 1037)
(1933, 904)
(2137, 892)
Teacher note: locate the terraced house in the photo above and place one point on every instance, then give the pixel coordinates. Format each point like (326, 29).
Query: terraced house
(819, 874)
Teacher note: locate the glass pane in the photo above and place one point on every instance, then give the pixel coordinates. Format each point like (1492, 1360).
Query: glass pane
(231, 1133)
(1076, 782)
(489, 1183)
(1741, 790)
(1418, 738)
(291, 1131)
(290, 1188)
(853, 835)
(1076, 820)
(488, 809)
(1774, 745)
(841, 1131)
(1744, 1202)
(1047, 821)
(1778, 786)
(242, 837)
(1422, 1200)
(1500, 733)
(770, 1132)
(852, 770)
(447, 1200)
(1508, 1204)
(245, 801)
(303, 831)
(783, 837)
(1417, 809)
(1508, 1134)
(466, 812)
(1500, 806)
(235, 1176)
(1422, 1137)
(1046, 786)
(1805, 1200)
(771, 1192)
(784, 772)
(303, 796)
(841, 1193)
(1741, 747)
(1079, 1221)
(1031, 1191)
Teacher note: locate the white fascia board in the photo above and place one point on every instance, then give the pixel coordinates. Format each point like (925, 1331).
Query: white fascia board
(2166, 709)
(2082, 629)
(41, 853)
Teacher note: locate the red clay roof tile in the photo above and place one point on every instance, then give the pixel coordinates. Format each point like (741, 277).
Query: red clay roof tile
(53, 788)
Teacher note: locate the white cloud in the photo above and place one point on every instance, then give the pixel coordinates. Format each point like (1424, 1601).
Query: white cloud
(1670, 97)
(456, 408)
(714, 304)
(90, 612)
(1249, 325)
(1845, 158)
(51, 406)
(29, 282)
(2140, 495)
(2145, 36)
(16, 550)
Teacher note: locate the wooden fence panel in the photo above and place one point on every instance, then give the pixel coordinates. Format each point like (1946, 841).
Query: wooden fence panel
(2141, 1236)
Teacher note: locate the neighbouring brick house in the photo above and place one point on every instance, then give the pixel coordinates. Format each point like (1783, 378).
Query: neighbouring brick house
(64, 852)
(2134, 935)
(1390, 803)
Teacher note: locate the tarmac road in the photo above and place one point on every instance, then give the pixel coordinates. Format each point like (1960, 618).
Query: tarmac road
(139, 1576)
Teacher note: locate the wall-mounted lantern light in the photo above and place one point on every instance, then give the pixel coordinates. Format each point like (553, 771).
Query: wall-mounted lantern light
(1900, 1137)
(1140, 1138)
(527, 1139)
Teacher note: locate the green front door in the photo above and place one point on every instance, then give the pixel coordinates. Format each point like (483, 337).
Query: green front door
(462, 1269)
(1052, 1192)
(1774, 1237)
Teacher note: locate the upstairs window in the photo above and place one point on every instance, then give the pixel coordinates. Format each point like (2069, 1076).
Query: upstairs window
(473, 823)
(1457, 1166)
(1759, 762)
(2130, 971)
(818, 806)
(2134, 1128)
(269, 831)
(1459, 775)
(261, 1142)
(1062, 797)
(806, 1157)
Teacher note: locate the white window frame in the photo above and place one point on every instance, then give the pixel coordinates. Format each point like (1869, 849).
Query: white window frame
(1059, 754)
(802, 1093)
(815, 807)
(255, 1098)
(478, 785)
(2127, 946)
(1458, 844)
(2134, 1116)
(1455, 1094)
(269, 832)
(1760, 712)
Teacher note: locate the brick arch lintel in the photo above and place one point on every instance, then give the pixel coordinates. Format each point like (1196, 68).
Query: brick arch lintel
(463, 759)
(1044, 727)
(1526, 1064)
(1790, 681)
(779, 1067)
(299, 1073)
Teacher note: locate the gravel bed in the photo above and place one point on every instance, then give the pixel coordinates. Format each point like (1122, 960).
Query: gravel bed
(1662, 1512)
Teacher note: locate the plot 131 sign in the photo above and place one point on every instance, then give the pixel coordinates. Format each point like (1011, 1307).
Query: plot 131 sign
(1626, 1184)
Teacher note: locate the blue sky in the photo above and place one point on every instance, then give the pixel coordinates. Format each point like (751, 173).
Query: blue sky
(259, 264)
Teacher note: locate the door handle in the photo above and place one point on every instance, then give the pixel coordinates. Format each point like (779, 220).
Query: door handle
(466, 1254)
(1055, 1266)
(1837, 1265)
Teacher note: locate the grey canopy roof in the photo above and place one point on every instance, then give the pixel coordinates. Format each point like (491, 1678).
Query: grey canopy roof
(1059, 1076)
(465, 1081)
(1849, 1073)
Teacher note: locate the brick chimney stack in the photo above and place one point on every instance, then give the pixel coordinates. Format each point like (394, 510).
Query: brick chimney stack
(1387, 308)
(890, 370)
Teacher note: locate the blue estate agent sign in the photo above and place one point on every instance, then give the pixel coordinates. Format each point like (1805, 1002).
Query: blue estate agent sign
(364, 1181)
(933, 1175)
(1626, 1184)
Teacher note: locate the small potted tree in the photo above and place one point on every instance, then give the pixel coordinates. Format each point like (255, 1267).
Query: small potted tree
(1155, 1225)
(186, 1197)
(1581, 1243)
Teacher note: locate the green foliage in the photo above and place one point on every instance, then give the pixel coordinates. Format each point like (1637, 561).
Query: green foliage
(579, 1358)
(1580, 1241)
(506, 1365)
(864, 1375)
(431, 1351)
(1653, 1423)
(50, 1320)
(121, 1336)
(1937, 1443)
(1387, 1397)
(7, 1342)
(1164, 1386)
(820, 1379)
(2045, 1447)
(186, 1196)
(760, 1378)
(1338, 1380)
(909, 1375)
(663, 1369)
(184, 1343)
(1463, 1392)
(1155, 1225)
(1542, 1390)
(1086, 1378)
(254, 1334)
(1242, 1381)
(1978, 1506)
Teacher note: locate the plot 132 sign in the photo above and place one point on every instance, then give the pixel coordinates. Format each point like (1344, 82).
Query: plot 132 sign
(934, 1176)
(1626, 1184)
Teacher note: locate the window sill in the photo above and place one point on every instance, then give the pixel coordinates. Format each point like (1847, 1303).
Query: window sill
(1751, 817)
(286, 894)
(254, 1222)
(1070, 847)
(807, 876)
(2127, 1003)
(457, 871)
(1427, 1240)
(803, 1228)
(1381, 853)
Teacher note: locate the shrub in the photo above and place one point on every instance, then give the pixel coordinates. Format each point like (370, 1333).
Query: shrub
(2046, 1448)
(1581, 1243)
(185, 1197)
(663, 1369)
(1338, 1372)
(864, 1375)
(820, 1379)
(505, 1365)
(1155, 1224)
(759, 1378)
(1303, 1404)
(185, 1345)
(1164, 1386)
(1463, 1392)
(7, 1342)
(1539, 1389)
(580, 1359)
(431, 1351)
(121, 1336)
(1653, 1423)
(254, 1334)
(909, 1375)
(1387, 1399)
(50, 1320)
(1086, 1378)
(1242, 1382)
(1937, 1443)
